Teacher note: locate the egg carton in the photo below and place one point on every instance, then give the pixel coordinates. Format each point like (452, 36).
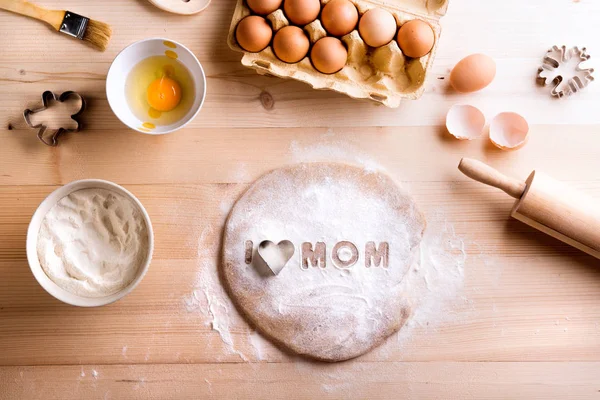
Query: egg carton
(381, 74)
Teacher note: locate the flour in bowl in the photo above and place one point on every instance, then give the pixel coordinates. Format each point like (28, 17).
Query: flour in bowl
(93, 242)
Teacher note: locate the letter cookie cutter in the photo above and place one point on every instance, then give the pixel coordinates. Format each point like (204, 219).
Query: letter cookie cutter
(46, 97)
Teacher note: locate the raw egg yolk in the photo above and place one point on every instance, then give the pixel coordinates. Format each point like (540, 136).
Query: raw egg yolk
(164, 94)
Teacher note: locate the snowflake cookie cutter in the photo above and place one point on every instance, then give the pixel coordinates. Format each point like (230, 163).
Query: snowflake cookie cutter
(562, 68)
(47, 96)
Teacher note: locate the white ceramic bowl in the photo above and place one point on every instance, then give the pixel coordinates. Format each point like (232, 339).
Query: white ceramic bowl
(34, 229)
(133, 54)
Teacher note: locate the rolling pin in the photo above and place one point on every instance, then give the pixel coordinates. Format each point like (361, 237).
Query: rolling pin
(545, 204)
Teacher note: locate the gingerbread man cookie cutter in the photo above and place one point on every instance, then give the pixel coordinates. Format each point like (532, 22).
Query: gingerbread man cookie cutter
(47, 96)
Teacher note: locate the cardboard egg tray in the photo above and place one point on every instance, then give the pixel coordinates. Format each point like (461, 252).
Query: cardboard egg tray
(381, 74)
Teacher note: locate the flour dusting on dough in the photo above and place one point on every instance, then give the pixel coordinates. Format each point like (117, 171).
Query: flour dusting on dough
(437, 279)
(330, 313)
(440, 271)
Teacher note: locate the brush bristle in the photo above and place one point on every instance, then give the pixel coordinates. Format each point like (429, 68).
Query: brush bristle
(97, 34)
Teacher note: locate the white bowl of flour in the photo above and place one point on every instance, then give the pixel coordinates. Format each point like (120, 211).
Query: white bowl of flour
(90, 243)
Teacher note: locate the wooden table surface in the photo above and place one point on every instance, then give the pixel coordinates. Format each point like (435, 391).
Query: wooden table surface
(529, 321)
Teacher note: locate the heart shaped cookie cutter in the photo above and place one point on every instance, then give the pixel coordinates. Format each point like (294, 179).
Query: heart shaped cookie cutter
(47, 96)
(276, 256)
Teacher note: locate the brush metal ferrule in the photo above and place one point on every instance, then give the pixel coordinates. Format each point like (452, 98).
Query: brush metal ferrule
(74, 24)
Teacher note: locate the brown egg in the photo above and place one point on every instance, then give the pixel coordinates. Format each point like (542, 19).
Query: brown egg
(339, 17)
(253, 34)
(290, 44)
(302, 12)
(473, 73)
(377, 27)
(416, 38)
(329, 55)
(264, 7)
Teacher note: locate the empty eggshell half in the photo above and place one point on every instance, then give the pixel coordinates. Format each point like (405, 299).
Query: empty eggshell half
(508, 131)
(465, 122)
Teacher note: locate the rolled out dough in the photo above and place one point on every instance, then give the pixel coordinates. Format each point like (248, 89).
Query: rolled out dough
(330, 313)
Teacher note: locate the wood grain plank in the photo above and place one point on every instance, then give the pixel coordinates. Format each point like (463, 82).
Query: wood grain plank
(241, 155)
(527, 296)
(180, 213)
(239, 98)
(481, 381)
(533, 313)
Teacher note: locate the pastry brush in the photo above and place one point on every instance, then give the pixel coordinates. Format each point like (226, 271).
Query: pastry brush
(95, 33)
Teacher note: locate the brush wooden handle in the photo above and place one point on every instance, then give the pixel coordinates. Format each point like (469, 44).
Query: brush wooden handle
(485, 174)
(51, 17)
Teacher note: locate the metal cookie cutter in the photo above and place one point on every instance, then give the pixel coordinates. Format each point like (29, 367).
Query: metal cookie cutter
(562, 70)
(46, 97)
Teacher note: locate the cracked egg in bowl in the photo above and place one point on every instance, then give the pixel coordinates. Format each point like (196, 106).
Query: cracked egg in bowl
(156, 86)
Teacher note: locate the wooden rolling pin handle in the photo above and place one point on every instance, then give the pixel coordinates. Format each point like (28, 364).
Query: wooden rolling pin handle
(485, 174)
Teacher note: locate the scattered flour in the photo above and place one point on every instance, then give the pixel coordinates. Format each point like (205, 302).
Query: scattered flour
(240, 173)
(344, 380)
(208, 295)
(437, 280)
(209, 383)
(258, 343)
(333, 151)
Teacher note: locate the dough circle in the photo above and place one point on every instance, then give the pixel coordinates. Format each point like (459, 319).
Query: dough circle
(331, 313)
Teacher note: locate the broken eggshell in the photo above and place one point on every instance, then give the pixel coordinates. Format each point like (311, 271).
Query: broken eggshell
(508, 131)
(465, 122)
